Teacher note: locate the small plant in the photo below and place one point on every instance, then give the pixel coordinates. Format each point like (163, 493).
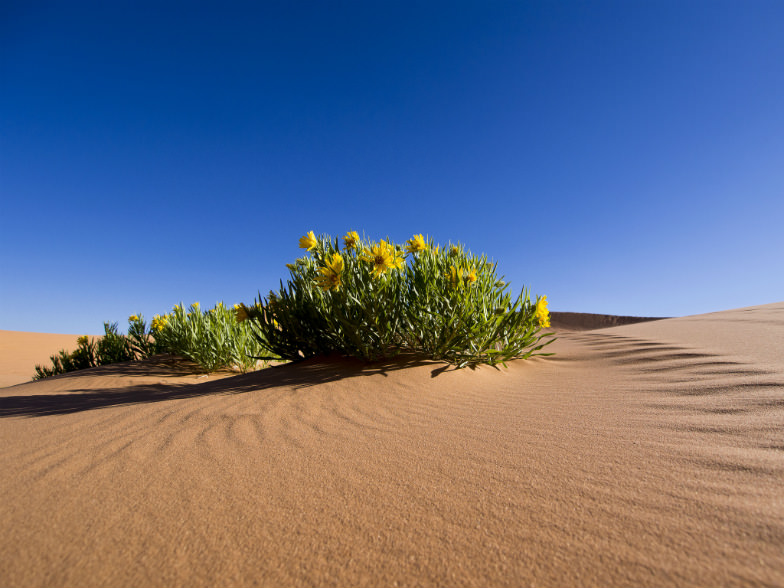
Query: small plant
(377, 299)
(62, 362)
(213, 338)
(111, 348)
(140, 338)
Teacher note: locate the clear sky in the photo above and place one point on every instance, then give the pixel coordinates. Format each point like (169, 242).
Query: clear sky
(621, 157)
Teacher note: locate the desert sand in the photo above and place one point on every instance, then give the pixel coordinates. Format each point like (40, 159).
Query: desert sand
(646, 454)
(20, 352)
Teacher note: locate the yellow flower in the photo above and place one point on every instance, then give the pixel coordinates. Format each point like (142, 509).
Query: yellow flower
(240, 313)
(455, 277)
(351, 240)
(336, 264)
(133, 318)
(416, 243)
(470, 276)
(158, 322)
(330, 274)
(398, 260)
(542, 313)
(308, 241)
(82, 340)
(195, 305)
(454, 251)
(381, 255)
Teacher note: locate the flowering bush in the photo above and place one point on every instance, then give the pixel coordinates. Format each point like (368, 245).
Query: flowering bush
(211, 338)
(376, 299)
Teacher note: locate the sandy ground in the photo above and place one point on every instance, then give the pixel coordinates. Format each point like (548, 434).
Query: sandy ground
(648, 454)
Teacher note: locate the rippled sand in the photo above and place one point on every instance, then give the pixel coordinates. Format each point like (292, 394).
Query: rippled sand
(649, 454)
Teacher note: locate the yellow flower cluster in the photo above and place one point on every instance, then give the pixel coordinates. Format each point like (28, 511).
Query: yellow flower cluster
(383, 256)
(158, 322)
(351, 240)
(542, 314)
(133, 318)
(308, 241)
(416, 244)
(330, 274)
(459, 276)
(82, 340)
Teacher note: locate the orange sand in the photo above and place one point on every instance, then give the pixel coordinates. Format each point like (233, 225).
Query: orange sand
(20, 352)
(649, 454)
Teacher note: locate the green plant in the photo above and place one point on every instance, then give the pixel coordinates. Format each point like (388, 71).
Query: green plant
(62, 362)
(112, 347)
(213, 339)
(376, 299)
(140, 338)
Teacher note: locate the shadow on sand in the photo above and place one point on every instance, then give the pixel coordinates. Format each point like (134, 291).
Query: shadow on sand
(302, 374)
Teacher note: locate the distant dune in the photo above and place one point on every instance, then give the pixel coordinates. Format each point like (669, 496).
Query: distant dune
(582, 321)
(21, 351)
(645, 454)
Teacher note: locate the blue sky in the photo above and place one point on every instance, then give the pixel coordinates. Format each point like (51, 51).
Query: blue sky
(620, 157)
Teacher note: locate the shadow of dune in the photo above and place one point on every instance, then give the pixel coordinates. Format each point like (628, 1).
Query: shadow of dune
(303, 374)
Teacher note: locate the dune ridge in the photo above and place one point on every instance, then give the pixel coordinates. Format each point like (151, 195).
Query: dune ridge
(647, 454)
(584, 321)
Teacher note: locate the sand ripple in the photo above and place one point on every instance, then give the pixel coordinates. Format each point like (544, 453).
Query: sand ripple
(640, 455)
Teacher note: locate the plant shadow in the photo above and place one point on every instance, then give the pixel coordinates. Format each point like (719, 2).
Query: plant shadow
(301, 374)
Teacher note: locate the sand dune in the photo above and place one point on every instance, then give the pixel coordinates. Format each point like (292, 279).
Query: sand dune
(583, 321)
(21, 351)
(647, 454)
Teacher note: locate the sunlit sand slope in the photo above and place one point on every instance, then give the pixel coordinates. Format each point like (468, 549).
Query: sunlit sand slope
(650, 454)
(21, 351)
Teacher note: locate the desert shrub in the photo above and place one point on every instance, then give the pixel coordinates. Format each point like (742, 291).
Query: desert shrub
(375, 299)
(112, 347)
(140, 338)
(212, 338)
(63, 361)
